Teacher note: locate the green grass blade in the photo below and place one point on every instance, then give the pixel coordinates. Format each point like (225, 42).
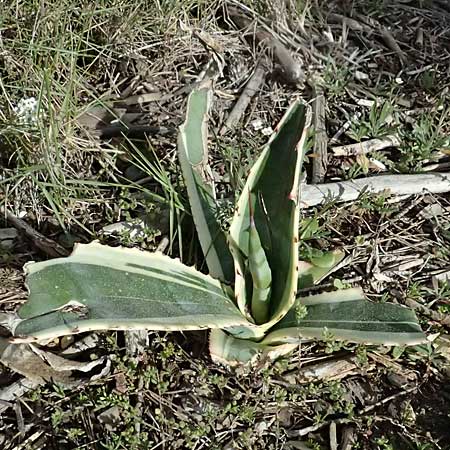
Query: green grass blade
(347, 315)
(100, 287)
(193, 156)
(273, 180)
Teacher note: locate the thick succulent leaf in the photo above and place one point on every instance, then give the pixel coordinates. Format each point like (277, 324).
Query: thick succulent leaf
(230, 351)
(347, 315)
(240, 269)
(313, 272)
(260, 273)
(273, 182)
(193, 156)
(100, 287)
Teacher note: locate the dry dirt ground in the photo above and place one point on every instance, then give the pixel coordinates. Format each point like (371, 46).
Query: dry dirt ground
(91, 96)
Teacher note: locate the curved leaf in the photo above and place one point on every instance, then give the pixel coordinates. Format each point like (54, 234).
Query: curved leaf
(193, 156)
(260, 272)
(347, 315)
(228, 350)
(273, 181)
(100, 287)
(313, 272)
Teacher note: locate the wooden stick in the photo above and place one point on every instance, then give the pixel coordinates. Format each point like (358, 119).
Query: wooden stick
(43, 243)
(345, 127)
(251, 88)
(374, 25)
(320, 161)
(348, 438)
(333, 437)
(353, 24)
(398, 185)
(443, 319)
(292, 70)
(393, 44)
(361, 148)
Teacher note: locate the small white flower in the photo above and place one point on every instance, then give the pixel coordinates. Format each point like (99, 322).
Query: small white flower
(257, 124)
(267, 131)
(27, 111)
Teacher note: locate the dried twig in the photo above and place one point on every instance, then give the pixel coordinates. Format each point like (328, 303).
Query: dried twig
(443, 319)
(251, 88)
(361, 148)
(393, 44)
(162, 246)
(345, 127)
(292, 70)
(333, 437)
(348, 438)
(45, 244)
(397, 185)
(370, 26)
(353, 24)
(305, 431)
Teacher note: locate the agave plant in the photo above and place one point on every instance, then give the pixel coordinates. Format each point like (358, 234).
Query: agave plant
(249, 297)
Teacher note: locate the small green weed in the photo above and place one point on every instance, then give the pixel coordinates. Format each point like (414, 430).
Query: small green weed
(422, 143)
(335, 79)
(369, 204)
(377, 124)
(383, 443)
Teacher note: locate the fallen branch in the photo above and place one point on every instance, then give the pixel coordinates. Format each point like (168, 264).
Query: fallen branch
(348, 438)
(397, 185)
(443, 319)
(251, 88)
(393, 44)
(333, 437)
(292, 70)
(45, 244)
(351, 23)
(369, 25)
(320, 161)
(361, 148)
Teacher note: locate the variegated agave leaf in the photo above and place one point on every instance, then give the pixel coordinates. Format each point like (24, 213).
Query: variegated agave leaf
(347, 315)
(344, 315)
(193, 156)
(228, 350)
(104, 288)
(259, 271)
(313, 272)
(272, 185)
